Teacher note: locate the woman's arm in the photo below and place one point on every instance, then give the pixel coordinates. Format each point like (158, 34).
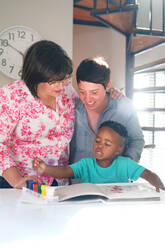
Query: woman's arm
(153, 179)
(14, 178)
(9, 119)
(135, 140)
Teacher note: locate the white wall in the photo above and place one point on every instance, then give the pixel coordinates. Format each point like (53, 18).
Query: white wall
(53, 19)
(150, 55)
(90, 41)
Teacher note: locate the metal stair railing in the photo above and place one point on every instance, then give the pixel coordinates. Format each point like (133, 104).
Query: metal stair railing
(150, 30)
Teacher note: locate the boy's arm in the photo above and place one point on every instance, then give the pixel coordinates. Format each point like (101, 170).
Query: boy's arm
(153, 179)
(59, 171)
(54, 171)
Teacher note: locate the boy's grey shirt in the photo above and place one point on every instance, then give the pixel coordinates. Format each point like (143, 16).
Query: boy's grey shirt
(121, 111)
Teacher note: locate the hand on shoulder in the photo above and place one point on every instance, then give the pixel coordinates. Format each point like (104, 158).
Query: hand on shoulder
(116, 93)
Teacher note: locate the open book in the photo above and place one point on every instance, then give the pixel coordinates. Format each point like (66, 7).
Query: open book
(110, 192)
(88, 192)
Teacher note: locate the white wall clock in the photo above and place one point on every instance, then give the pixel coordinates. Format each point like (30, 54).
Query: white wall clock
(14, 41)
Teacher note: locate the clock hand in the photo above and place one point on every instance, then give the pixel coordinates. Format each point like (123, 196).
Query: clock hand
(16, 50)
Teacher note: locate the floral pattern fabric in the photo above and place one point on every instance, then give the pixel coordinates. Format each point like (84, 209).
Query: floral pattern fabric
(29, 129)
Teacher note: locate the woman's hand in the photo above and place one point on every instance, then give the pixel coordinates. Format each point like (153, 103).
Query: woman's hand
(116, 94)
(39, 165)
(16, 180)
(22, 182)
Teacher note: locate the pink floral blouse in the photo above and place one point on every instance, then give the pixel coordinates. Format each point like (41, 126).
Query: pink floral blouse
(29, 129)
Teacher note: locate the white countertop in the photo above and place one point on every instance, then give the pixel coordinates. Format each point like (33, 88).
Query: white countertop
(93, 225)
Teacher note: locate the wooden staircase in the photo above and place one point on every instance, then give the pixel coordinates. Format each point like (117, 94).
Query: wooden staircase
(121, 15)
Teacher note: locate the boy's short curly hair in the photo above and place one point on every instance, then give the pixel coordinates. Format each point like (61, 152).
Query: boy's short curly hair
(117, 127)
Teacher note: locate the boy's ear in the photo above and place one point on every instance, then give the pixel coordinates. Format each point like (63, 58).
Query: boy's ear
(119, 150)
(108, 85)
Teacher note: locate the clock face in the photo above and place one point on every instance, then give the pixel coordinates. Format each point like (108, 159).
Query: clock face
(14, 41)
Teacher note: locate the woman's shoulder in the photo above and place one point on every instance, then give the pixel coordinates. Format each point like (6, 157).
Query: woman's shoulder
(14, 86)
(15, 91)
(69, 90)
(122, 106)
(124, 100)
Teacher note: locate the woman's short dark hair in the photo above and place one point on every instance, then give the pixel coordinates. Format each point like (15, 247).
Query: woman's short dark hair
(44, 61)
(94, 70)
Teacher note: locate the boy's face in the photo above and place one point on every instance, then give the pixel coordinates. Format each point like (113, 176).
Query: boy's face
(92, 95)
(107, 145)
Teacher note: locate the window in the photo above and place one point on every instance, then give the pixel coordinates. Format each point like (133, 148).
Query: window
(149, 100)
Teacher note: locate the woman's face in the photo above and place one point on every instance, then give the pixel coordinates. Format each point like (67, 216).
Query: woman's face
(92, 95)
(52, 89)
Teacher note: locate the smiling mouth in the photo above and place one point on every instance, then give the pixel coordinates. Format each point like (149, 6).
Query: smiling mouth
(90, 103)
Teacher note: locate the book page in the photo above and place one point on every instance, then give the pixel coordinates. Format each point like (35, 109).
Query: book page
(132, 191)
(76, 190)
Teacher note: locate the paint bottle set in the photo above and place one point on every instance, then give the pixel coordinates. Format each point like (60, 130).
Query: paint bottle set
(44, 190)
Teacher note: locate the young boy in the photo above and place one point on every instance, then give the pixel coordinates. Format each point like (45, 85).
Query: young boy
(107, 166)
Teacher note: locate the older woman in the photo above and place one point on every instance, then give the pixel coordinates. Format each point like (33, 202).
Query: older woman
(36, 115)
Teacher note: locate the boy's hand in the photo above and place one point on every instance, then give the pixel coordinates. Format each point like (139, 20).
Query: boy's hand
(153, 179)
(157, 183)
(39, 164)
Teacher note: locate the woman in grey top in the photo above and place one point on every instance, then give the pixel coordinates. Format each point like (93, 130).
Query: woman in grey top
(95, 105)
